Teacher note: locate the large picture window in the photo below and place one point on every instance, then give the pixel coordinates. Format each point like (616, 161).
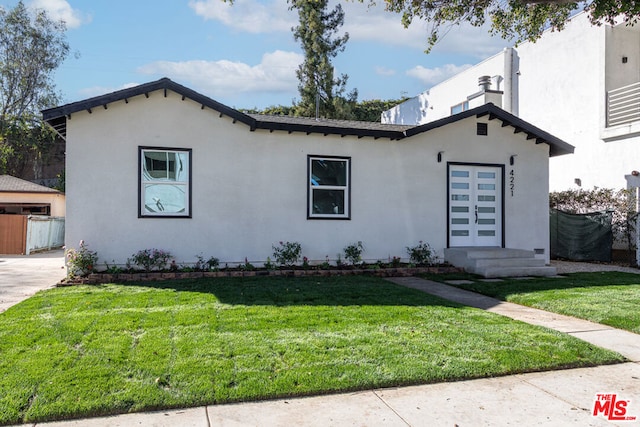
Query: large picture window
(164, 182)
(328, 190)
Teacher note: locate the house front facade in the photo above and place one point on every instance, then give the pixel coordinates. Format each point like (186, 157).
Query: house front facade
(582, 84)
(161, 166)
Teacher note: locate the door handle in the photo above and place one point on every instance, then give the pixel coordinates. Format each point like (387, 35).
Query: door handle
(476, 214)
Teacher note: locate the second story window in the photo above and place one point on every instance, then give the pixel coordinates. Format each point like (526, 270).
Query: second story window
(459, 108)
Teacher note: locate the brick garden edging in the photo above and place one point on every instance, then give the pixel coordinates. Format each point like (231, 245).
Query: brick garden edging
(100, 278)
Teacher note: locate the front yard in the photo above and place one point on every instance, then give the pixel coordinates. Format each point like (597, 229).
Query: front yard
(609, 298)
(94, 350)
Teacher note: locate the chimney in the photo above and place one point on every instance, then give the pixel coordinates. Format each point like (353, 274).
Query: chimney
(485, 94)
(485, 83)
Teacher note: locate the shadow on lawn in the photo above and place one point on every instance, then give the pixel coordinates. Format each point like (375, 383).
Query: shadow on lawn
(501, 290)
(312, 291)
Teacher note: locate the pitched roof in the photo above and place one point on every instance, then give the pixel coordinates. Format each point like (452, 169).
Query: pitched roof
(11, 184)
(57, 118)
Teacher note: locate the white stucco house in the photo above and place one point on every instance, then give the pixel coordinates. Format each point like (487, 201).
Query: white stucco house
(581, 84)
(162, 166)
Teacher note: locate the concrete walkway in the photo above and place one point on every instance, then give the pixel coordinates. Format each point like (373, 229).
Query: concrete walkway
(555, 398)
(21, 276)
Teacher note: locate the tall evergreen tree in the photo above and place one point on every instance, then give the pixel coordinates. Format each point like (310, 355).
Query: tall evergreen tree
(319, 88)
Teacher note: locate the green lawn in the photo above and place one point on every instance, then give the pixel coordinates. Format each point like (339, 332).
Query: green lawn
(94, 350)
(610, 298)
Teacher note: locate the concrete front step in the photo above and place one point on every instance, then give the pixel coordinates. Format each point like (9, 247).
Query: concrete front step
(493, 272)
(498, 262)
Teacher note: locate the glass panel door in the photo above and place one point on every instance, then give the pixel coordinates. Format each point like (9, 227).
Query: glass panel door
(475, 201)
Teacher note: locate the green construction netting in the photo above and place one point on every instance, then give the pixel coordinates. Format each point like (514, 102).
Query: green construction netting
(581, 237)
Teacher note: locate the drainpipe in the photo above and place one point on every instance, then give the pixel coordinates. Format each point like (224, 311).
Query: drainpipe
(508, 80)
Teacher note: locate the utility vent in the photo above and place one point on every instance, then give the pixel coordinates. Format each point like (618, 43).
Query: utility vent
(539, 251)
(482, 129)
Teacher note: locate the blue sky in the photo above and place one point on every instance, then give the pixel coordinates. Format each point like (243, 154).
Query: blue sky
(244, 55)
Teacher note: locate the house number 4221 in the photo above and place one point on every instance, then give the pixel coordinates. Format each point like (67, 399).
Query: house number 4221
(512, 181)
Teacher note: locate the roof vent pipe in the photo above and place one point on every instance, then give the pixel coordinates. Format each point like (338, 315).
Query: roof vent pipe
(484, 82)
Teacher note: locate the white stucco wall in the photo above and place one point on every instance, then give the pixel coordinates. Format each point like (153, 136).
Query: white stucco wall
(56, 200)
(559, 85)
(250, 188)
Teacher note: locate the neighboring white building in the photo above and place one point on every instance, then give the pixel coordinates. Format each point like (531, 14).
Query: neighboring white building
(581, 84)
(161, 166)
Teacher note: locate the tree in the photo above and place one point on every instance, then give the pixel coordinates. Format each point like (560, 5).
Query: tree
(32, 47)
(317, 34)
(365, 111)
(523, 20)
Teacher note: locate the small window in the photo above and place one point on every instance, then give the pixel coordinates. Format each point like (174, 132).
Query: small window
(164, 182)
(459, 108)
(328, 190)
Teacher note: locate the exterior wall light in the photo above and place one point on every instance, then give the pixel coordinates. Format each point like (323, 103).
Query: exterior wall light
(440, 156)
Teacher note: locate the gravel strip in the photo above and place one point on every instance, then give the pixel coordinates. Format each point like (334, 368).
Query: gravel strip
(586, 267)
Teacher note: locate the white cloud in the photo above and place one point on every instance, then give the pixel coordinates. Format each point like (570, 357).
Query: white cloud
(363, 22)
(432, 76)
(248, 15)
(61, 10)
(275, 73)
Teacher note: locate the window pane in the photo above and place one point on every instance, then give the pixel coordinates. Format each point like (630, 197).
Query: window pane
(486, 186)
(328, 202)
(460, 174)
(486, 233)
(165, 198)
(458, 233)
(165, 165)
(459, 220)
(491, 175)
(486, 198)
(486, 210)
(460, 197)
(487, 221)
(460, 185)
(459, 208)
(329, 172)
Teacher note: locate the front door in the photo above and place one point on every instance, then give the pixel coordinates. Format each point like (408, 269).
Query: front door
(475, 205)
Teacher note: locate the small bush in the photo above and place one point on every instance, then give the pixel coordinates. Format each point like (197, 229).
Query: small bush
(211, 264)
(287, 254)
(353, 253)
(150, 259)
(81, 261)
(421, 254)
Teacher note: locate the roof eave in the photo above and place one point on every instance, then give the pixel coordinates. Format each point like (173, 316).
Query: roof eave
(557, 146)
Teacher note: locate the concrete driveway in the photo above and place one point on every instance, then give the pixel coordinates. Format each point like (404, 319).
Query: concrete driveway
(21, 276)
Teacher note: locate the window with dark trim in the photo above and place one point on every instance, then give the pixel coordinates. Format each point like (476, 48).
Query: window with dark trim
(328, 193)
(164, 182)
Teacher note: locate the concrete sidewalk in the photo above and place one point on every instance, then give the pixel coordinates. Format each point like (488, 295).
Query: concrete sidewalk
(545, 398)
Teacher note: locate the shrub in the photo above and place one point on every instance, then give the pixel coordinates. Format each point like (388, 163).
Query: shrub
(150, 259)
(81, 261)
(287, 253)
(211, 264)
(353, 253)
(421, 254)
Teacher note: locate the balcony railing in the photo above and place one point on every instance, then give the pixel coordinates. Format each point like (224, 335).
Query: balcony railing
(623, 105)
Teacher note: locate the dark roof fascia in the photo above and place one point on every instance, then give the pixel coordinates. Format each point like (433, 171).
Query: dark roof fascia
(557, 146)
(328, 130)
(56, 117)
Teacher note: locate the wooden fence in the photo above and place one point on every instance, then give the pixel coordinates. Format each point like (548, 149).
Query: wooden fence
(22, 234)
(13, 234)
